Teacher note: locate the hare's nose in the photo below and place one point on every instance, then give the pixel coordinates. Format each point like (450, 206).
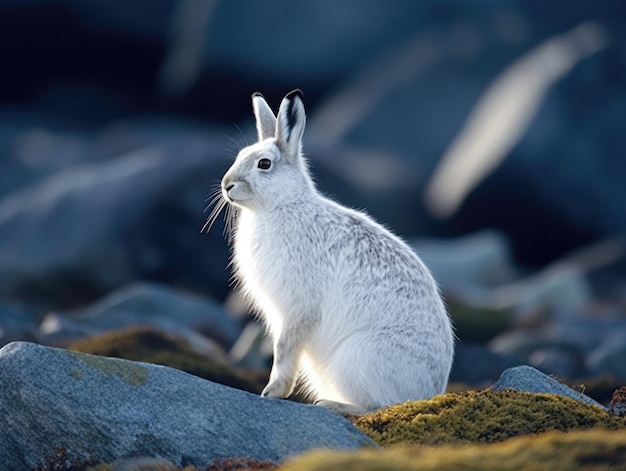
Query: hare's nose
(227, 183)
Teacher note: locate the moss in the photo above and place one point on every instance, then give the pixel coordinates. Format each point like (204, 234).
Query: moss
(591, 450)
(482, 417)
(152, 346)
(133, 374)
(457, 387)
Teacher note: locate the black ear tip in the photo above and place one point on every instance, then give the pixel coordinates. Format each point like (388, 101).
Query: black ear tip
(295, 93)
(257, 94)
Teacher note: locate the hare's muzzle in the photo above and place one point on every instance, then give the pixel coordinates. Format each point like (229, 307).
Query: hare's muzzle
(231, 188)
(226, 187)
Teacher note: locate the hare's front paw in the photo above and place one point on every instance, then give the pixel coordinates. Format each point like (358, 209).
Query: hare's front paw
(278, 387)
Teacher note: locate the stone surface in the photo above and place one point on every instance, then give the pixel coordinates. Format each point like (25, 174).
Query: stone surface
(17, 322)
(148, 345)
(253, 349)
(529, 379)
(98, 408)
(476, 365)
(482, 258)
(137, 216)
(590, 345)
(609, 358)
(562, 362)
(160, 306)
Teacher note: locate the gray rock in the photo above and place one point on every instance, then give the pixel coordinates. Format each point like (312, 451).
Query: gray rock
(30, 152)
(482, 258)
(609, 358)
(253, 349)
(107, 409)
(58, 329)
(17, 322)
(576, 334)
(162, 307)
(474, 364)
(563, 287)
(435, 100)
(563, 362)
(61, 330)
(526, 378)
(137, 216)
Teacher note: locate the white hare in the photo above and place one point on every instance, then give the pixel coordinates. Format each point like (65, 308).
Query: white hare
(351, 309)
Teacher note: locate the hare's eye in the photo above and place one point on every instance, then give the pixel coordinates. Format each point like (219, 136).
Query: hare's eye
(264, 164)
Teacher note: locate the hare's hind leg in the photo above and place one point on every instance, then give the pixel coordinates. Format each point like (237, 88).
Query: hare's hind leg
(344, 409)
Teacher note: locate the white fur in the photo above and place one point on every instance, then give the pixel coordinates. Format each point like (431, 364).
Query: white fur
(351, 309)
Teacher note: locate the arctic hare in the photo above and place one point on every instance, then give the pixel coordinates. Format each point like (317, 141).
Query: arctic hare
(351, 309)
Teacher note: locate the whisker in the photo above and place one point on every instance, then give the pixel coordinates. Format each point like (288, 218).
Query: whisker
(219, 206)
(230, 152)
(231, 220)
(238, 144)
(225, 231)
(214, 188)
(213, 199)
(245, 139)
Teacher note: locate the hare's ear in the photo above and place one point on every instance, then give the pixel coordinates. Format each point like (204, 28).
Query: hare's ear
(265, 119)
(290, 124)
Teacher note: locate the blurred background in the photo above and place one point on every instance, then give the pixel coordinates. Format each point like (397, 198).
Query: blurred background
(490, 134)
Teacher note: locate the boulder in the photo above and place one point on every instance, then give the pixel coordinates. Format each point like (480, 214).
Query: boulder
(482, 258)
(588, 340)
(474, 364)
(147, 304)
(526, 378)
(609, 358)
(563, 362)
(104, 224)
(149, 345)
(96, 409)
(17, 322)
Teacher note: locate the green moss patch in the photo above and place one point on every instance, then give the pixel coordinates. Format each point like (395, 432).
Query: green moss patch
(591, 450)
(152, 346)
(482, 417)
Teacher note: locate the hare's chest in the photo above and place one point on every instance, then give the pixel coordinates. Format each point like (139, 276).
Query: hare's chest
(258, 257)
(278, 268)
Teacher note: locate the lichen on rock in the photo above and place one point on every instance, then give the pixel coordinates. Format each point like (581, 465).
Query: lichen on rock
(132, 373)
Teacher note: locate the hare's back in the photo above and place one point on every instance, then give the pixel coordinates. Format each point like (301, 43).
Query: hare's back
(374, 257)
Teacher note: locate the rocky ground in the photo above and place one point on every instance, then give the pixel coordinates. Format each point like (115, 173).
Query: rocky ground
(63, 409)
(108, 152)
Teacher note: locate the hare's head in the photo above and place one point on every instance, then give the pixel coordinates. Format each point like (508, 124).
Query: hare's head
(273, 171)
